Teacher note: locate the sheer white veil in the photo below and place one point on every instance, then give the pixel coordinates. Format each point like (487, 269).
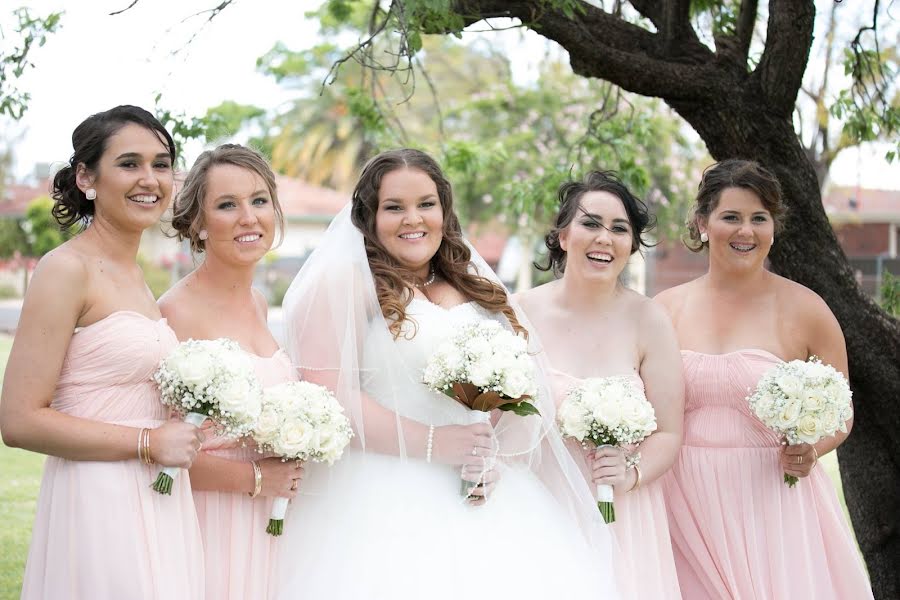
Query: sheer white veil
(337, 336)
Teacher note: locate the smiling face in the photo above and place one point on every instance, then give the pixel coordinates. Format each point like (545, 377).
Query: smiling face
(238, 215)
(598, 241)
(740, 229)
(409, 220)
(133, 179)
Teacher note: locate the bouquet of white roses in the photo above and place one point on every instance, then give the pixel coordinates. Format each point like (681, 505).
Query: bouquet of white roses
(300, 421)
(804, 401)
(484, 367)
(208, 379)
(607, 411)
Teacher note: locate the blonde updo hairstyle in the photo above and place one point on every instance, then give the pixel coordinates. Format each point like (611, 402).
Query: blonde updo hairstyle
(187, 214)
(733, 173)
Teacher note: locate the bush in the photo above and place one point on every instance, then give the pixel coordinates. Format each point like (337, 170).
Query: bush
(7, 291)
(890, 294)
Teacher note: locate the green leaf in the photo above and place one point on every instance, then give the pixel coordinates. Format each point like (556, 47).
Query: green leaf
(523, 409)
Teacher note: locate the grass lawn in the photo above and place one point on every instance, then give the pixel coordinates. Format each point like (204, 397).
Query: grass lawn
(20, 478)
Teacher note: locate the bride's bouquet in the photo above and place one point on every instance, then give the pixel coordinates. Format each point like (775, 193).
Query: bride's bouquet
(607, 411)
(208, 379)
(484, 367)
(300, 421)
(804, 401)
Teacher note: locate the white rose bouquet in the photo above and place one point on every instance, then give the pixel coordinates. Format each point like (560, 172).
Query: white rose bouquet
(804, 401)
(300, 421)
(208, 379)
(606, 411)
(484, 367)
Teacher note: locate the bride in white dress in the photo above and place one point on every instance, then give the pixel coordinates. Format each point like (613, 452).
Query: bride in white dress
(391, 277)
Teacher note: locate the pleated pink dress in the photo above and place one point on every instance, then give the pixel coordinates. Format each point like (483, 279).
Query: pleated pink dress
(240, 555)
(740, 533)
(644, 564)
(101, 532)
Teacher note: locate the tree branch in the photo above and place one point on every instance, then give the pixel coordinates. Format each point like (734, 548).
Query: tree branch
(788, 41)
(745, 25)
(603, 46)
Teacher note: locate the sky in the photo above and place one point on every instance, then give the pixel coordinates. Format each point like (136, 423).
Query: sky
(96, 61)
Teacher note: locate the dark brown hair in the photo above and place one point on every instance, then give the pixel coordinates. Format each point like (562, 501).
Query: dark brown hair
(89, 142)
(452, 260)
(187, 214)
(733, 173)
(570, 194)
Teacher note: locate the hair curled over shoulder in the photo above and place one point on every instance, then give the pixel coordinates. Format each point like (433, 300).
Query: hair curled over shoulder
(452, 260)
(187, 214)
(570, 194)
(733, 173)
(89, 141)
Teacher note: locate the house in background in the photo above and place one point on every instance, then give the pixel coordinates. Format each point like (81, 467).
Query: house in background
(866, 223)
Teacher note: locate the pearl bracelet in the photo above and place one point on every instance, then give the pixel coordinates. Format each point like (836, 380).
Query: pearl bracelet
(429, 444)
(257, 479)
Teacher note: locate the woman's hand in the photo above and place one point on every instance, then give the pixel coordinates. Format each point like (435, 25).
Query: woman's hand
(798, 460)
(280, 478)
(466, 445)
(483, 483)
(175, 443)
(608, 467)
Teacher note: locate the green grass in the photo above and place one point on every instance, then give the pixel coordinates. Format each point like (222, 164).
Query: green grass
(20, 479)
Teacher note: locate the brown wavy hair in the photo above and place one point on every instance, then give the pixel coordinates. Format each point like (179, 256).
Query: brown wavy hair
(451, 261)
(733, 173)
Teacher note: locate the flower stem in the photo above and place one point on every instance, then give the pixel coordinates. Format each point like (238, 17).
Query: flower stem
(790, 480)
(276, 527)
(163, 484)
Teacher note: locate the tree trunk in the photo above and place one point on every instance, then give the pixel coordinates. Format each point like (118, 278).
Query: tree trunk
(808, 252)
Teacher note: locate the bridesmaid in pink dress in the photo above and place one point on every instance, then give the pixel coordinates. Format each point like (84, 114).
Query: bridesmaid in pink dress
(229, 210)
(78, 388)
(591, 325)
(738, 531)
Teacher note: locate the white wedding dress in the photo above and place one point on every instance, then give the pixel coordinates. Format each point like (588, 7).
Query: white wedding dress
(376, 527)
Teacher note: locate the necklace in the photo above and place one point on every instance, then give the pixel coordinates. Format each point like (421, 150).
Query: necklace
(429, 281)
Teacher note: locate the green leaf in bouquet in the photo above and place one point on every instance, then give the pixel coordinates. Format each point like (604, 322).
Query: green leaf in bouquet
(523, 409)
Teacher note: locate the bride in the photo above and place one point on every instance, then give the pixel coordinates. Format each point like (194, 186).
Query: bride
(391, 277)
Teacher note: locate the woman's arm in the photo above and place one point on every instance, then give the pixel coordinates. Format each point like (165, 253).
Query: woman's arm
(662, 373)
(54, 303)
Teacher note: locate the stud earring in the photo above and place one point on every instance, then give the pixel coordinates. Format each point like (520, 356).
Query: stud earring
(704, 237)
(203, 234)
(90, 194)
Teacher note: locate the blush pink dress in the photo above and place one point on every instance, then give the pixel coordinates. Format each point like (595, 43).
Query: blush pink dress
(240, 555)
(740, 533)
(644, 564)
(101, 532)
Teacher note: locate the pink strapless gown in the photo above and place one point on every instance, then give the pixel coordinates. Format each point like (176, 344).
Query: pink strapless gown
(240, 555)
(645, 567)
(100, 531)
(738, 531)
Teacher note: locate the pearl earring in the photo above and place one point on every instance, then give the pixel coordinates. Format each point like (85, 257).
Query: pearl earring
(90, 194)
(203, 234)
(704, 237)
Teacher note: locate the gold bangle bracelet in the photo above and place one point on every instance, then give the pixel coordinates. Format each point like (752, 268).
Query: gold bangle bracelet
(637, 481)
(257, 479)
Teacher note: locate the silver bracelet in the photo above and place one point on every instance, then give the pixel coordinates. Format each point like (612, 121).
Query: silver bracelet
(429, 444)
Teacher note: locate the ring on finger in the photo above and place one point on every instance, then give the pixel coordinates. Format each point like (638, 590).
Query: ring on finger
(799, 460)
